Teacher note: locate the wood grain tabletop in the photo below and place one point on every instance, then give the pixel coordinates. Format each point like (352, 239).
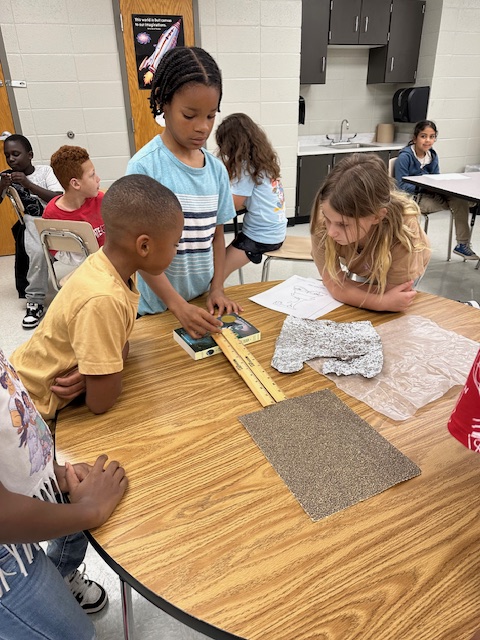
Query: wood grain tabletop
(208, 526)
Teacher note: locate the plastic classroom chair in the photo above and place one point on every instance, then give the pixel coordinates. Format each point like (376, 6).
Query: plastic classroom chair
(65, 235)
(17, 204)
(296, 248)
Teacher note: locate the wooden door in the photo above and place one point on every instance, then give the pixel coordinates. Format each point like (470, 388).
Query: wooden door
(7, 214)
(144, 125)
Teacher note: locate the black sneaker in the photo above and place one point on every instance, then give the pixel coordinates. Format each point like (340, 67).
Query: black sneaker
(89, 595)
(33, 316)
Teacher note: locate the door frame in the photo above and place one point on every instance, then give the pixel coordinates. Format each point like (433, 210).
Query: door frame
(117, 19)
(10, 91)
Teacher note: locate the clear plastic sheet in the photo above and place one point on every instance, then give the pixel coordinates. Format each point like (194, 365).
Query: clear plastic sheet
(422, 362)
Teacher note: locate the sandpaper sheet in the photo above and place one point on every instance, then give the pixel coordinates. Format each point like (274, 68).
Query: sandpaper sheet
(328, 457)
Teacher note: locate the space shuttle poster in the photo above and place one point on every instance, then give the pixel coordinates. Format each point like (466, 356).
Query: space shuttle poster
(153, 37)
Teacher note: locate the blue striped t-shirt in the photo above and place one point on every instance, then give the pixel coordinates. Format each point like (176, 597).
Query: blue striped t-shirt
(206, 202)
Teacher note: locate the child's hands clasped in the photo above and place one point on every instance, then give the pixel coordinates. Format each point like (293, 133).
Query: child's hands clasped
(99, 491)
(69, 386)
(399, 297)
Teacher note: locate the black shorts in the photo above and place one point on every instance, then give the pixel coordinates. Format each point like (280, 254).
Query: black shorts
(254, 250)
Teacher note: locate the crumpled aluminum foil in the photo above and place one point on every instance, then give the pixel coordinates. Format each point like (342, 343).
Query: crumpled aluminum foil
(351, 347)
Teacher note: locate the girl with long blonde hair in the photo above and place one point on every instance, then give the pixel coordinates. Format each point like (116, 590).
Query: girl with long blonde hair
(367, 241)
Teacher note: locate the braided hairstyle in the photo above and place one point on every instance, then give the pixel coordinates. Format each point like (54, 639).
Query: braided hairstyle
(178, 67)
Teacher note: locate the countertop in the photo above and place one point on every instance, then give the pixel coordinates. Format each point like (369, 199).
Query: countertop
(312, 145)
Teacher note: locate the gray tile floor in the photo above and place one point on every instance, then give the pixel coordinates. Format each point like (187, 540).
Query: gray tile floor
(457, 280)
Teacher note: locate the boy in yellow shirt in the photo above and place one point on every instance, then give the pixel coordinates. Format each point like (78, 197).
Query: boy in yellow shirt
(87, 326)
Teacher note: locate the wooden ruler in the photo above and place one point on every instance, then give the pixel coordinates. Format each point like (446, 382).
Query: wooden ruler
(248, 367)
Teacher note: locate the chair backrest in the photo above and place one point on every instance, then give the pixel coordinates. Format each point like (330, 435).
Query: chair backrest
(391, 167)
(17, 204)
(67, 235)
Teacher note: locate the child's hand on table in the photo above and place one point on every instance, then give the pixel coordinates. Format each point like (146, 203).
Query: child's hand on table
(197, 321)
(217, 298)
(100, 491)
(399, 297)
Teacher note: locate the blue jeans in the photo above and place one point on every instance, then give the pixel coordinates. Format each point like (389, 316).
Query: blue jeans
(39, 606)
(67, 553)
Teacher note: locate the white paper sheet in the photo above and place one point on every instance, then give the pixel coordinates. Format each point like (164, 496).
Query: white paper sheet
(299, 297)
(449, 176)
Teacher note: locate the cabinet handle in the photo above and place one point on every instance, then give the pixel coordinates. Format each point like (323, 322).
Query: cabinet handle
(328, 168)
(324, 60)
(356, 24)
(366, 24)
(392, 62)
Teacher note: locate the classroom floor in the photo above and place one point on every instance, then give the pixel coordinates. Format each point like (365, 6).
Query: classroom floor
(457, 280)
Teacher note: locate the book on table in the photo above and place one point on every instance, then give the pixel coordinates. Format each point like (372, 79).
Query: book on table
(199, 348)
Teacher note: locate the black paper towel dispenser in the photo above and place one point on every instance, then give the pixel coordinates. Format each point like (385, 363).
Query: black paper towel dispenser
(410, 105)
(301, 110)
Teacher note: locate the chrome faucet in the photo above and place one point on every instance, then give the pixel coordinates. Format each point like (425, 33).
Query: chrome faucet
(347, 126)
(341, 141)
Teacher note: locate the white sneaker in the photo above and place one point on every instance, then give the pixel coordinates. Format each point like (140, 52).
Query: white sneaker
(89, 595)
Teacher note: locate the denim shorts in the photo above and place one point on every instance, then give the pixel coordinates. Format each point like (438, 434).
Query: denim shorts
(254, 250)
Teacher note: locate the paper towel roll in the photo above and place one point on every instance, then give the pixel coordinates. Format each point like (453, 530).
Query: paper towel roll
(385, 132)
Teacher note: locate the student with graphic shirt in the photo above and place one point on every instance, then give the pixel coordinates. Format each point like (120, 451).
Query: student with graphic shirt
(187, 90)
(82, 199)
(419, 158)
(254, 171)
(36, 185)
(45, 596)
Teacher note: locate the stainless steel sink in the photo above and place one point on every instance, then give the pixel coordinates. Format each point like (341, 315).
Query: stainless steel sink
(348, 145)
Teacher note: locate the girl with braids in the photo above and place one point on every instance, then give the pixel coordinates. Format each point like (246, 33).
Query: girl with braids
(367, 241)
(187, 90)
(254, 172)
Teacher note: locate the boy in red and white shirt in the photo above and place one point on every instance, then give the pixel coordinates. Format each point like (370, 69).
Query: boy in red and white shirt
(82, 199)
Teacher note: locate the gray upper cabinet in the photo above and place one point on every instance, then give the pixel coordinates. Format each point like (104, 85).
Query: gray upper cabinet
(313, 60)
(359, 22)
(397, 62)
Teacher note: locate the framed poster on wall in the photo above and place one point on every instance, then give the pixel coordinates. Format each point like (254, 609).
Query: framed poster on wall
(154, 35)
(145, 28)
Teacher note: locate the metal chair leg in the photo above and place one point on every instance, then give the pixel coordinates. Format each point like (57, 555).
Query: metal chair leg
(425, 228)
(450, 234)
(266, 268)
(127, 611)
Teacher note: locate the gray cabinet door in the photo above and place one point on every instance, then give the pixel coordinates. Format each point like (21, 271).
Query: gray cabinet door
(344, 21)
(397, 62)
(374, 22)
(404, 45)
(359, 22)
(313, 60)
(311, 172)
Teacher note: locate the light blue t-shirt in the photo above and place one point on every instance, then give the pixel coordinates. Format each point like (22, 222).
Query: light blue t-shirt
(206, 202)
(265, 221)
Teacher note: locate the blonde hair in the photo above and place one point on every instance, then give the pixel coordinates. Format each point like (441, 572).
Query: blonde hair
(359, 186)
